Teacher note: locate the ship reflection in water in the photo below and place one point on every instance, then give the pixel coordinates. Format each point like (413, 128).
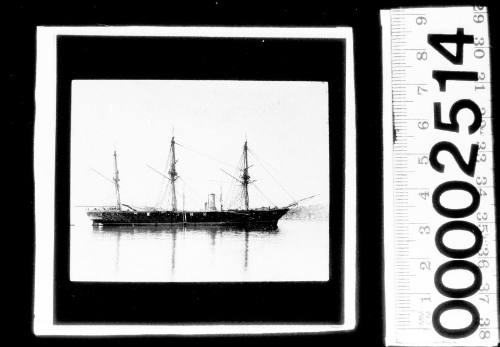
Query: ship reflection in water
(296, 251)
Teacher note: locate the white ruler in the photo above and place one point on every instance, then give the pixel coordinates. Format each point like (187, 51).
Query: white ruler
(440, 256)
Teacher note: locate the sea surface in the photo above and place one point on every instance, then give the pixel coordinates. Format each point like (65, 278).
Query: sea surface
(297, 251)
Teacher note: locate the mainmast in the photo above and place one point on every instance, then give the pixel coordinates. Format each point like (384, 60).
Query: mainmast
(245, 177)
(173, 174)
(116, 181)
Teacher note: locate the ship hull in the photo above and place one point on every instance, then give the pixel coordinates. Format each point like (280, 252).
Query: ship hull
(252, 219)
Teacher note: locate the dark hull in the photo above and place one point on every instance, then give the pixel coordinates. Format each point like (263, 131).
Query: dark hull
(254, 219)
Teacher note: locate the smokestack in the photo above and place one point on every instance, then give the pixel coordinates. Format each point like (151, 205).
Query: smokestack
(211, 202)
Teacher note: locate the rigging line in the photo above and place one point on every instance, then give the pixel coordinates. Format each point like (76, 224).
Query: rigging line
(226, 193)
(161, 193)
(238, 194)
(204, 154)
(191, 189)
(270, 174)
(233, 177)
(169, 198)
(264, 195)
(103, 176)
(256, 156)
(108, 196)
(161, 199)
(235, 202)
(165, 187)
(165, 192)
(235, 197)
(239, 197)
(232, 188)
(237, 191)
(231, 192)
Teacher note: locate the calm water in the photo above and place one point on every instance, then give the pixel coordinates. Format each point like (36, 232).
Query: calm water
(297, 251)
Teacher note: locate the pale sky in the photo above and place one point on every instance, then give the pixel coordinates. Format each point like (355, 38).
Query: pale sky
(285, 123)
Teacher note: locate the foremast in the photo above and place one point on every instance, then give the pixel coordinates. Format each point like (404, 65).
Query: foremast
(116, 181)
(244, 179)
(172, 173)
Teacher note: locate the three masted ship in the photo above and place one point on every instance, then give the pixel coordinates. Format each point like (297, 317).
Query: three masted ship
(252, 218)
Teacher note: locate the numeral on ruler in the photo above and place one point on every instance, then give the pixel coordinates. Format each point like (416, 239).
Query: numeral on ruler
(440, 231)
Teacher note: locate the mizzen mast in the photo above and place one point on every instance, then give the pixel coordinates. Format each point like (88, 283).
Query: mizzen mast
(116, 181)
(245, 177)
(173, 174)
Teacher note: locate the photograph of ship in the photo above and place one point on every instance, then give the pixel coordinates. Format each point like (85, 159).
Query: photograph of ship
(199, 181)
(256, 218)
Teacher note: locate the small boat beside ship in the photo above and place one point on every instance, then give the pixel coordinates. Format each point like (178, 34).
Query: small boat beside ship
(262, 218)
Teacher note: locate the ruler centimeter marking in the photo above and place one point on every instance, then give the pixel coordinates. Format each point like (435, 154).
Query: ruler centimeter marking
(412, 179)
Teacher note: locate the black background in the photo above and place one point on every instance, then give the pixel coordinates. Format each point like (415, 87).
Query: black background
(193, 59)
(21, 20)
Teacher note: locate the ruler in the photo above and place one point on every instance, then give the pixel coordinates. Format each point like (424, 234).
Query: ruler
(439, 224)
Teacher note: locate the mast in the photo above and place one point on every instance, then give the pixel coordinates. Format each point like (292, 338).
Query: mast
(116, 181)
(173, 174)
(245, 177)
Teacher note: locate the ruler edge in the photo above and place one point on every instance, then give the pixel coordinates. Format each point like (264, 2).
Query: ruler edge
(388, 141)
(387, 147)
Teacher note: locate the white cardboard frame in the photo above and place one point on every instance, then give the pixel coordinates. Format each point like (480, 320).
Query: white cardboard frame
(44, 168)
